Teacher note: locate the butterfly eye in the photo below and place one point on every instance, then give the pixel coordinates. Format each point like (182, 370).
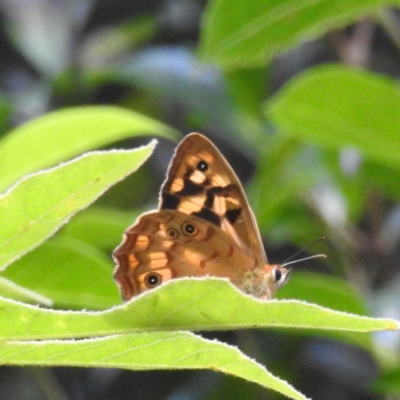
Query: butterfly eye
(202, 166)
(277, 274)
(189, 229)
(172, 233)
(152, 280)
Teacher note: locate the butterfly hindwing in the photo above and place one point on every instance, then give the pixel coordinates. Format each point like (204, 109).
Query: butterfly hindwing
(168, 244)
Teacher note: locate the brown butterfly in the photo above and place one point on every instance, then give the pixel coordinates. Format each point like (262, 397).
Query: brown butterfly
(204, 226)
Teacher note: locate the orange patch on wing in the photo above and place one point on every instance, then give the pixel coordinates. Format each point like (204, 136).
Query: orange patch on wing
(219, 205)
(166, 274)
(193, 257)
(166, 245)
(194, 204)
(218, 180)
(176, 185)
(133, 261)
(197, 177)
(158, 259)
(232, 202)
(142, 243)
(198, 199)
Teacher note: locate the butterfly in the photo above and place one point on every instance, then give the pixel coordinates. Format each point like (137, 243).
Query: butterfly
(204, 227)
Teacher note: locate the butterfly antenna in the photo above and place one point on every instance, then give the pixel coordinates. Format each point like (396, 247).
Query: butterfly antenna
(286, 262)
(303, 259)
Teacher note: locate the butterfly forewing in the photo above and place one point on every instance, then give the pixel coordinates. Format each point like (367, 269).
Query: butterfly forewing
(200, 182)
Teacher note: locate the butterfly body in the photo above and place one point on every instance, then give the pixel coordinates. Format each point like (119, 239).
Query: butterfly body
(204, 226)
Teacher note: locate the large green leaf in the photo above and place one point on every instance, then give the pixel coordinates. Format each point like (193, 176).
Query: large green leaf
(60, 135)
(144, 351)
(182, 304)
(249, 33)
(135, 335)
(37, 206)
(339, 107)
(54, 268)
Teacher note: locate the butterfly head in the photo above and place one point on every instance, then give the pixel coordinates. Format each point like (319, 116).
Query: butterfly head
(275, 276)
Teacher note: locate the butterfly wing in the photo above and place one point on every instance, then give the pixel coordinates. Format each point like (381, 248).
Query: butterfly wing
(200, 182)
(168, 244)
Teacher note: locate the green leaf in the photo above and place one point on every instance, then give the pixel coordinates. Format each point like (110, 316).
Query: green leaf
(144, 351)
(275, 181)
(337, 107)
(388, 382)
(37, 206)
(11, 290)
(53, 270)
(249, 33)
(140, 340)
(247, 87)
(60, 135)
(381, 176)
(107, 222)
(181, 304)
(329, 292)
